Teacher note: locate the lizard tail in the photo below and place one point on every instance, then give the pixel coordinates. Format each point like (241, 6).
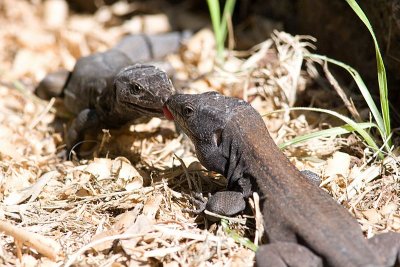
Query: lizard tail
(53, 84)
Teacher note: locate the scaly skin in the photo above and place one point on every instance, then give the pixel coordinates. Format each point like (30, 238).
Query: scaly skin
(304, 225)
(107, 90)
(135, 92)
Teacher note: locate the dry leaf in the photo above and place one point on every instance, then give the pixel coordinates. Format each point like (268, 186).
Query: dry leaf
(152, 205)
(55, 13)
(339, 164)
(396, 223)
(124, 221)
(388, 209)
(200, 50)
(142, 225)
(157, 23)
(372, 215)
(359, 182)
(28, 261)
(126, 174)
(32, 191)
(100, 168)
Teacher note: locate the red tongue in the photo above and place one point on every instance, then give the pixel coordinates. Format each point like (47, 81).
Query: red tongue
(168, 113)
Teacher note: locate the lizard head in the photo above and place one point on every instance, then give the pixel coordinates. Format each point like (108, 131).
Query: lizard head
(203, 118)
(143, 89)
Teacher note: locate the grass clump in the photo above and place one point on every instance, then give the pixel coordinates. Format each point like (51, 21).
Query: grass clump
(381, 117)
(220, 22)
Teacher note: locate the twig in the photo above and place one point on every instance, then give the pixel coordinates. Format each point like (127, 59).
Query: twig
(42, 114)
(46, 246)
(348, 103)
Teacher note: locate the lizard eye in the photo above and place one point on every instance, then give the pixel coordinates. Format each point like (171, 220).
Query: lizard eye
(134, 89)
(188, 111)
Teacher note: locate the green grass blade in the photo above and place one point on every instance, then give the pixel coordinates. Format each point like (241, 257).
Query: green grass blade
(215, 13)
(361, 85)
(367, 138)
(228, 11)
(344, 129)
(383, 90)
(235, 236)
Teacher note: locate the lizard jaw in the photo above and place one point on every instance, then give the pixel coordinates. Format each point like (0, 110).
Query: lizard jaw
(145, 110)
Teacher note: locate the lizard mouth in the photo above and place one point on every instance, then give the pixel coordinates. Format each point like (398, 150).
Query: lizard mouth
(146, 110)
(168, 114)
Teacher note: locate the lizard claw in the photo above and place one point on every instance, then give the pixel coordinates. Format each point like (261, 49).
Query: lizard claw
(226, 203)
(199, 201)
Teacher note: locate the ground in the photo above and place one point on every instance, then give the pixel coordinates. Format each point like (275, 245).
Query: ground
(124, 204)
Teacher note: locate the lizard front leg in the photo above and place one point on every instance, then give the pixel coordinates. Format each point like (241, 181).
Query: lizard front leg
(230, 202)
(227, 203)
(284, 254)
(86, 119)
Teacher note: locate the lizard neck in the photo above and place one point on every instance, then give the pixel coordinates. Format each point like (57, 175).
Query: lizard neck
(108, 107)
(256, 155)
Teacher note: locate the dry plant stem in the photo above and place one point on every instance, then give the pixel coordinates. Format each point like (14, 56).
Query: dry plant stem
(40, 184)
(186, 234)
(168, 149)
(73, 257)
(231, 36)
(349, 104)
(18, 246)
(41, 244)
(259, 219)
(163, 231)
(189, 180)
(232, 219)
(104, 139)
(42, 114)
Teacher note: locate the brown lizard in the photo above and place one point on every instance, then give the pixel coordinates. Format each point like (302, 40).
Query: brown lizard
(107, 90)
(303, 224)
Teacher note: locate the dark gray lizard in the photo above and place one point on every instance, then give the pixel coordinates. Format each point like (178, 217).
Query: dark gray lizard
(304, 225)
(105, 90)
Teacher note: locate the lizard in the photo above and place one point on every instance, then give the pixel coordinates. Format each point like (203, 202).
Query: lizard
(107, 90)
(303, 224)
